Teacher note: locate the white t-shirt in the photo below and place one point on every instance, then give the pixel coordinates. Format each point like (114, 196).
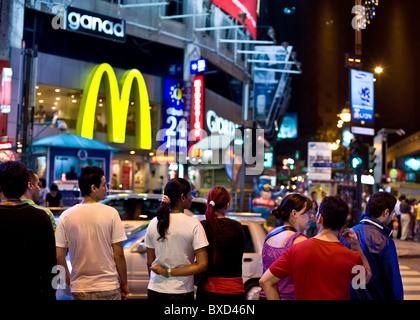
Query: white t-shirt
(89, 230)
(184, 236)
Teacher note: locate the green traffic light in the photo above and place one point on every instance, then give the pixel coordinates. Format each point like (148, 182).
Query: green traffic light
(356, 162)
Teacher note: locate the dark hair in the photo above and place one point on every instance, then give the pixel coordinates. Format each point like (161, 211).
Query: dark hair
(14, 178)
(173, 189)
(43, 182)
(379, 202)
(32, 175)
(334, 211)
(89, 175)
(54, 187)
(221, 197)
(293, 201)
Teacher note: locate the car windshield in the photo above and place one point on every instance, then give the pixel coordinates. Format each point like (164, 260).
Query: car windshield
(134, 235)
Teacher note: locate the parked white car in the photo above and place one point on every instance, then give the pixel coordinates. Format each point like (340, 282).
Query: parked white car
(136, 209)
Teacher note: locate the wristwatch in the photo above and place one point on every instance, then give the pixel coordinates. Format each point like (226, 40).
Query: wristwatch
(169, 272)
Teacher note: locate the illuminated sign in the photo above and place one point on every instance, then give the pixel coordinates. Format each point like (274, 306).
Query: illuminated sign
(362, 97)
(92, 23)
(363, 131)
(174, 119)
(6, 145)
(163, 159)
(117, 103)
(198, 66)
(288, 128)
(197, 107)
(236, 8)
(268, 159)
(217, 124)
(6, 90)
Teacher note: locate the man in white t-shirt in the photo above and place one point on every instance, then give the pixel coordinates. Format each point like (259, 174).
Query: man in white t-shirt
(94, 235)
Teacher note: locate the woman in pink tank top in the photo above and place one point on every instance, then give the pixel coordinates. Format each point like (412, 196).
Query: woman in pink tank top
(294, 211)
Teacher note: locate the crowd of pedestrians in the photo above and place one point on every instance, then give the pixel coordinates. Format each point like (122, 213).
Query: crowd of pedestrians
(327, 262)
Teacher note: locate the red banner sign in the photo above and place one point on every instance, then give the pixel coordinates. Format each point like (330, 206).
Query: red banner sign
(236, 7)
(197, 107)
(6, 145)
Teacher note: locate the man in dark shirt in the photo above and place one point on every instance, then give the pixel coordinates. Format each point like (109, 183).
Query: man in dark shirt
(379, 248)
(27, 238)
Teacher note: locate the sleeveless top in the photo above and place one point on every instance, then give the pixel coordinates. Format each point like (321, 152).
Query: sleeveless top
(269, 255)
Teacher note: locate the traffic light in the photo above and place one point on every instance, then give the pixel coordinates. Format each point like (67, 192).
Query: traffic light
(372, 158)
(358, 155)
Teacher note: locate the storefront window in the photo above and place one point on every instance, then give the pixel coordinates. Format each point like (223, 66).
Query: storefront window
(55, 104)
(63, 166)
(41, 166)
(126, 175)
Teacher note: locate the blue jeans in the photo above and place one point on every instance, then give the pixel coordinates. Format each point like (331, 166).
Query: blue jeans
(97, 295)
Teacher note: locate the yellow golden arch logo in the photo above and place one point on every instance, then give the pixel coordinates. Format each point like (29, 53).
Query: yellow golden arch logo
(116, 105)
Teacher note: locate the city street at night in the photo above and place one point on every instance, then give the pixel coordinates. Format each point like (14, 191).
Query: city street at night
(209, 151)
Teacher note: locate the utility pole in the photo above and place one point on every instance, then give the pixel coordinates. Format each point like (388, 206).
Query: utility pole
(25, 128)
(358, 30)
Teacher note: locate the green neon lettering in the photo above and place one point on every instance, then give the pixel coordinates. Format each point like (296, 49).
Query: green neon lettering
(116, 105)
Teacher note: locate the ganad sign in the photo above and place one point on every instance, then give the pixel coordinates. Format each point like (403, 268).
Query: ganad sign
(87, 22)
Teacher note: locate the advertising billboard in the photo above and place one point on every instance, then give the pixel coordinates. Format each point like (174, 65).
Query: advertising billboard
(319, 153)
(270, 87)
(237, 7)
(288, 128)
(362, 98)
(174, 119)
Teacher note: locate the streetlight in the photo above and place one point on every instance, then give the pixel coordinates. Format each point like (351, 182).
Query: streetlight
(345, 115)
(379, 70)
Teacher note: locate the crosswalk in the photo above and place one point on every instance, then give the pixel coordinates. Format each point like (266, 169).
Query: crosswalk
(411, 283)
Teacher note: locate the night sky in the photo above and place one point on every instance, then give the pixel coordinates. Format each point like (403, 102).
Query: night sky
(321, 34)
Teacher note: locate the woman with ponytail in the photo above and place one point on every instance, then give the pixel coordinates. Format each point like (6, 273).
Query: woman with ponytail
(226, 246)
(176, 246)
(294, 212)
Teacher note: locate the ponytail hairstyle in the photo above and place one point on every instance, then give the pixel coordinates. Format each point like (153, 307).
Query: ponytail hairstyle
(173, 190)
(293, 201)
(217, 199)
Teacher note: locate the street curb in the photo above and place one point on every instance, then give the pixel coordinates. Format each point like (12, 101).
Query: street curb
(409, 256)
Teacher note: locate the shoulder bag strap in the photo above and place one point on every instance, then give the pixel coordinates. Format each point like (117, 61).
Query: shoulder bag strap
(284, 228)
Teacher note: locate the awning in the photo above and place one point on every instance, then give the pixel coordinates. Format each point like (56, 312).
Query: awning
(72, 141)
(213, 142)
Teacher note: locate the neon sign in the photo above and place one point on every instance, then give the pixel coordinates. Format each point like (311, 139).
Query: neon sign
(198, 66)
(95, 24)
(118, 100)
(197, 109)
(6, 90)
(174, 120)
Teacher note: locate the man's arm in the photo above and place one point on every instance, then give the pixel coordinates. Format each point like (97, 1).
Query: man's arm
(351, 237)
(119, 259)
(268, 283)
(61, 261)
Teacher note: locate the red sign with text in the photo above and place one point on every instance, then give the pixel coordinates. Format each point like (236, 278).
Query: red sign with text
(236, 7)
(197, 107)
